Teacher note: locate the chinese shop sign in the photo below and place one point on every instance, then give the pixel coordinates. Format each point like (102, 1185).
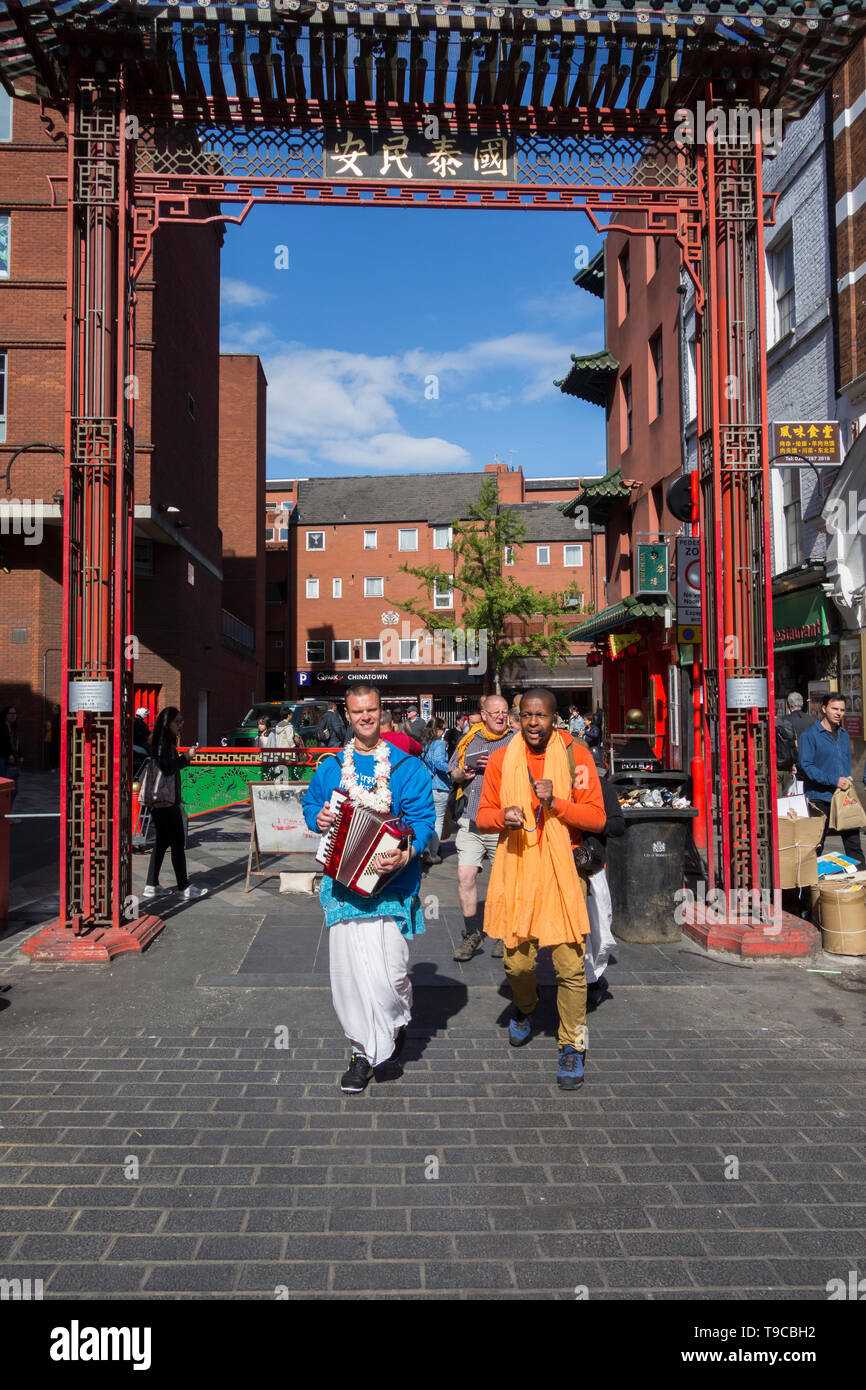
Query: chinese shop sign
(816, 441)
(451, 157)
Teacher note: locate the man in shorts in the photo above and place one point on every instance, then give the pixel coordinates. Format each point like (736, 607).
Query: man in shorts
(467, 772)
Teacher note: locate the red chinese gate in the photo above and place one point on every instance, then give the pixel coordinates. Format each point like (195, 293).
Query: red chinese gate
(173, 116)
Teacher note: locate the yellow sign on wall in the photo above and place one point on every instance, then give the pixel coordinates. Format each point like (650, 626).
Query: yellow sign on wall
(620, 640)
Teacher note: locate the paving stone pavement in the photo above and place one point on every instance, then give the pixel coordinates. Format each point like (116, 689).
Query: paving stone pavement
(158, 1140)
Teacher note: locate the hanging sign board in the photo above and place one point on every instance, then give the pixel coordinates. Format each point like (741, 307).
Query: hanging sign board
(440, 154)
(746, 692)
(619, 641)
(653, 568)
(97, 697)
(689, 581)
(814, 441)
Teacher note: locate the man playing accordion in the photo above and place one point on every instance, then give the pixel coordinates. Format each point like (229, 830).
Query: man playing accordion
(368, 936)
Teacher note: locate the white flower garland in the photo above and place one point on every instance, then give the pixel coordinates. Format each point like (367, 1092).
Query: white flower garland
(380, 799)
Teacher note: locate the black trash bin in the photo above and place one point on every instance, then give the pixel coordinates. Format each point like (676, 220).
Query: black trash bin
(646, 866)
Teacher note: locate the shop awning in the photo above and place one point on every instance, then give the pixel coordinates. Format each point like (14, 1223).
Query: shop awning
(804, 618)
(598, 495)
(590, 377)
(533, 670)
(620, 615)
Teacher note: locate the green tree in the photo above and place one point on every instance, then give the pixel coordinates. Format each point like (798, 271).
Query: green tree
(491, 598)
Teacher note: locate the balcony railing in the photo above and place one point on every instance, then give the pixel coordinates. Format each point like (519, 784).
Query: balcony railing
(239, 632)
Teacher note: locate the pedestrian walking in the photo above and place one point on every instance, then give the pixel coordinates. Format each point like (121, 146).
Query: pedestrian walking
(368, 937)
(413, 724)
(576, 722)
(160, 790)
(330, 730)
(467, 765)
(436, 762)
(788, 731)
(266, 736)
(824, 758)
(10, 748)
(595, 738)
(591, 860)
(397, 737)
(540, 794)
(285, 735)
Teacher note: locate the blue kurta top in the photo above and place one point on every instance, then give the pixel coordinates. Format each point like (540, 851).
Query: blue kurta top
(412, 801)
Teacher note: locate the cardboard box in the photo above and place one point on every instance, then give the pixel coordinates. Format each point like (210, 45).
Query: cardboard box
(843, 918)
(799, 838)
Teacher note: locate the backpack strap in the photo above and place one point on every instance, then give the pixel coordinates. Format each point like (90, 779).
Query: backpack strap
(572, 766)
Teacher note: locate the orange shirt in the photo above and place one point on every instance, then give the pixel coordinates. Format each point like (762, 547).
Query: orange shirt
(585, 810)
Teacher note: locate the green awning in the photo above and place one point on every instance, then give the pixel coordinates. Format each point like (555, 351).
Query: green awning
(804, 618)
(597, 494)
(620, 615)
(590, 377)
(591, 278)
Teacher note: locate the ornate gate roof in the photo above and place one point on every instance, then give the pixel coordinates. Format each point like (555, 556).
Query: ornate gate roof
(605, 62)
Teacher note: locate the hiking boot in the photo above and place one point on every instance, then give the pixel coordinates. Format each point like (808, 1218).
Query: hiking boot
(569, 1076)
(470, 944)
(356, 1078)
(519, 1029)
(498, 950)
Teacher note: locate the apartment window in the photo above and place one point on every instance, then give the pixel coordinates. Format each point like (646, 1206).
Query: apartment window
(782, 280)
(443, 593)
(374, 588)
(625, 383)
(5, 232)
(443, 537)
(312, 588)
(509, 555)
(655, 346)
(407, 538)
(371, 540)
(315, 652)
(792, 512)
(284, 533)
(341, 650)
(3, 366)
(409, 649)
(542, 554)
(5, 115)
(275, 591)
(269, 533)
(336, 588)
(572, 555)
(315, 540)
(372, 651)
(286, 506)
(624, 282)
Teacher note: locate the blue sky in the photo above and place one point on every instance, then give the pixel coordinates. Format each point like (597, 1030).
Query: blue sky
(376, 302)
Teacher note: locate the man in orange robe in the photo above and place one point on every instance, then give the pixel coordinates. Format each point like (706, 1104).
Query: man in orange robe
(540, 801)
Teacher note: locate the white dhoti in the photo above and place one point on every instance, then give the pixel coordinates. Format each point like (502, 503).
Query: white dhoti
(369, 958)
(600, 941)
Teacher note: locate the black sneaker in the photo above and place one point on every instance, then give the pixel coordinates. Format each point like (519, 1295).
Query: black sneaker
(356, 1078)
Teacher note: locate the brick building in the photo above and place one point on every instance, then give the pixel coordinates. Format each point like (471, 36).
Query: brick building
(635, 379)
(343, 540)
(193, 651)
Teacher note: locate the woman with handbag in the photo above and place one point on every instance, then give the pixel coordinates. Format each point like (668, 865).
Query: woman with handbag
(10, 748)
(160, 790)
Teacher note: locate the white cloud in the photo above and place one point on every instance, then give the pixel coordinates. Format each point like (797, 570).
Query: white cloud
(241, 294)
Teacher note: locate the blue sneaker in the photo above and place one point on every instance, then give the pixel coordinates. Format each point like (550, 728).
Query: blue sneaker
(570, 1073)
(519, 1029)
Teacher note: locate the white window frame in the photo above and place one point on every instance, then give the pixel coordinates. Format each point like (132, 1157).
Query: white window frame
(315, 547)
(374, 579)
(6, 109)
(341, 642)
(508, 556)
(285, 506)
(315, 660)
(437, 531)
(774, 256)
(412, 643)
(336, 588)
(269, 533)
(5, 217)
(538, 550)
(284, 533)
(447, 595)
(407, 531)
(572, 564)
(373, 642)
(371, 544)
(312, 588)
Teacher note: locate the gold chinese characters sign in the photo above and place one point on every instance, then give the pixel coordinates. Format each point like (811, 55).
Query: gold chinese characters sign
(817, 441)
(460, 156)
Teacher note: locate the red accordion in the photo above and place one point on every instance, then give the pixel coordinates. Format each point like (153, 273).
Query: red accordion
(348, 848)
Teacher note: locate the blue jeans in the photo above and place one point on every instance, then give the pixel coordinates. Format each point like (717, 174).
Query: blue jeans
(440, 802)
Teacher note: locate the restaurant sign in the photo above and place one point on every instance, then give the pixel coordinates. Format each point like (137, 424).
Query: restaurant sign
(432, 153)
(800, 619)
(812, 441)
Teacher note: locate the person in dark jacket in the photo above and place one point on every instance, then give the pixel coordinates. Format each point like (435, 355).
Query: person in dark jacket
(598, 902)
(168, 820)
(824, 759)
(330, 730)
(10, 748)
(788, 731)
